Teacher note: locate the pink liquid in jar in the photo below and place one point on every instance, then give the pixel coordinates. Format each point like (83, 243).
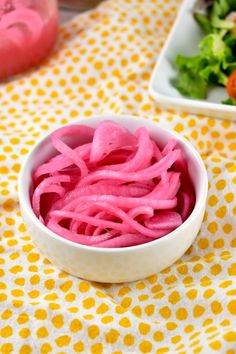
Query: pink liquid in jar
(28, 30)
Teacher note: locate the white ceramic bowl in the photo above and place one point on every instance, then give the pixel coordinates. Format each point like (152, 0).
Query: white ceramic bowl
(122, 264)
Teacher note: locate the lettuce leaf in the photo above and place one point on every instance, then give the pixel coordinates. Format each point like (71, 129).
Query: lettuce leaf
(190, 85)
(212, 46)
(203, 22)
(220, 10)
(230, 101)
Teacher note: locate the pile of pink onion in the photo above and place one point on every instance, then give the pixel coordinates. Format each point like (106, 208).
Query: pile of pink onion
(116, 190)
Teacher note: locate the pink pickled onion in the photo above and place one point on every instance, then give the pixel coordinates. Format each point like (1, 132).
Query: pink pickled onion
(149, 173)
(125, 240)
(164, 220)
(68, 151)
(110, 188)
(44, 187)
(60, 162)
(14, 35)
(142, 157)
(23, 19)
(108, 137)
(14, 4)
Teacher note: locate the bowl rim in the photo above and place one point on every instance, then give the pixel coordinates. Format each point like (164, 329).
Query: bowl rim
(26, 205)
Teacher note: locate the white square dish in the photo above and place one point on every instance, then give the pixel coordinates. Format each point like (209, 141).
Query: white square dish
(184, 39)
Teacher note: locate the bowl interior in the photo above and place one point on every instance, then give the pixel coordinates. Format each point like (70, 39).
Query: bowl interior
(44, 150)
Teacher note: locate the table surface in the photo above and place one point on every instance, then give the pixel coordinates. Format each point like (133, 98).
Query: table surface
(66, 15)
(189, 307)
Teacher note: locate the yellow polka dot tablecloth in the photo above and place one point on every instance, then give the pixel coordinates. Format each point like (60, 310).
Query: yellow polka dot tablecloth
(102, 63)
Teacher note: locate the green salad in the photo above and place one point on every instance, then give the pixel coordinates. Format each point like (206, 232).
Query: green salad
(216, 62)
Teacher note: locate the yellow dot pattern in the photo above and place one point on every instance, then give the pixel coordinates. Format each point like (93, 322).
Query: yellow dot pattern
(102, 63)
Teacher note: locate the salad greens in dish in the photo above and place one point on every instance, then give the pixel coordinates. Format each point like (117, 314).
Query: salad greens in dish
(216, 62)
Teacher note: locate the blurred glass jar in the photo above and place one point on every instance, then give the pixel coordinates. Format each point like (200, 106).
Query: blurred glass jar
(28, 30)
